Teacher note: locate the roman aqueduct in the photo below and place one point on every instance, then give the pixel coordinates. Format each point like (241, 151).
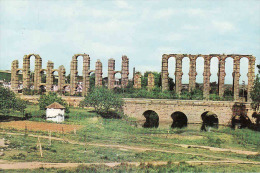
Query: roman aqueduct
(193, 110)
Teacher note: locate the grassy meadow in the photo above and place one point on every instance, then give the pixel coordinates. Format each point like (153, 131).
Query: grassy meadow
(120, 140)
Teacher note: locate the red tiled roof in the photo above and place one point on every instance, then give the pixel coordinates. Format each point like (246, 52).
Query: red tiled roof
(55, 105)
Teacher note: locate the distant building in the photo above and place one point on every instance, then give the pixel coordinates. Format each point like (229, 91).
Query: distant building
(55, 112)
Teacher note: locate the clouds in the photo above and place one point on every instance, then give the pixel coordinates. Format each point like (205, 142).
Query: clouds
(143, 30)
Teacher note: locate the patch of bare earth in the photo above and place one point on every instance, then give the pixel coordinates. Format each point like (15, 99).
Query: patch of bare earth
(39, 126)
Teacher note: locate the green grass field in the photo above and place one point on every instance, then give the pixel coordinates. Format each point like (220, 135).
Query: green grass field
(118, 140)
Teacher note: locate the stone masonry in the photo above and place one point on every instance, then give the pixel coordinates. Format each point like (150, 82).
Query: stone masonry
(206, 73)
(150, 81)
(137, 81)
(124, 72)
(193, 109)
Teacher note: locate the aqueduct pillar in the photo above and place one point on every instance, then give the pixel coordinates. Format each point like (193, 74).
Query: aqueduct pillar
(14, 76)
(98, 73)
(206, 77)
(236, 76)
(251, 76)
(61, 80)
(221, 75)
(192, 73)
(49, 76)
(178, 74)
(165, 73)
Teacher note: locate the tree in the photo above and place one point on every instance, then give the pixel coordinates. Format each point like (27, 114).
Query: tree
(9, 102)
(102, 100)
(46, 100)
(255, 92)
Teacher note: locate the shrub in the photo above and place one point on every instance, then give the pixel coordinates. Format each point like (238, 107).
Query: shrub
(9, 102)
(102, 100)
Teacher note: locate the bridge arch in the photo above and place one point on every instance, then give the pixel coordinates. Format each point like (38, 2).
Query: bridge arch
(152, 119)
(180, 120)
(240, 121)
(209, 119)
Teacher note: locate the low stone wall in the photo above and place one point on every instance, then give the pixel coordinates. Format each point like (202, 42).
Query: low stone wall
(72, 101)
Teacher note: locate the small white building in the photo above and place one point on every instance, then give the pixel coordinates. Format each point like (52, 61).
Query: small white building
(55, 112)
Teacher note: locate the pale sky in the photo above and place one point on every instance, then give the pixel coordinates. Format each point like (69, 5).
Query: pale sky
(142, 30)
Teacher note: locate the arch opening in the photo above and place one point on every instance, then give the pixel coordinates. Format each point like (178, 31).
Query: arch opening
(152, 119)
(199, 70)
(55, 79)
(185, 71)
(240, 121)
(92, 80)
(209, 120)
(228, 85)
(180, 120)
(32, 60)
(214, 66)
(171, 71)
(243, 80)
(42, 89)
(19, 74)
(117, 80)
(43, 76)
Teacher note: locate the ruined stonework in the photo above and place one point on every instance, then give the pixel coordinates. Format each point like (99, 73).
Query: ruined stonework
(85, 74)
(98, 74)
(61, 80)
(137, 81)
(34, 79)
(206, 74)
(206, 77)
(111, 73)
(49, 76)
(150, 82)
(192, 73)
(124, 72)
(14, 76)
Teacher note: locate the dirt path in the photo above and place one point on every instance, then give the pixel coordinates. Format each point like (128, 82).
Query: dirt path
(32, 165)
(218, 149)
(123, 147)
(35, 165)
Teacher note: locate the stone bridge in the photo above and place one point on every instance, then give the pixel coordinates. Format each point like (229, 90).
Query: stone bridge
(193, 109)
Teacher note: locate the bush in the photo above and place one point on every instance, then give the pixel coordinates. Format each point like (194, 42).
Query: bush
(46, 100)
(9, 101)
(102, 100)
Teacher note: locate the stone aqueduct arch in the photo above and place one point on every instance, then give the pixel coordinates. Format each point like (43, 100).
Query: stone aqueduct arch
(37, 74)
(85, 74)
(124, 72)
(207, 74)
(61, 73)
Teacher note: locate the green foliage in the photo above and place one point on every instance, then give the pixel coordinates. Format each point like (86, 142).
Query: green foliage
(27, 91)
(46, 100)
(156, 93)
(255, 93)
(9, 102)
(102, 100)
(195, 94)
(157, 79)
